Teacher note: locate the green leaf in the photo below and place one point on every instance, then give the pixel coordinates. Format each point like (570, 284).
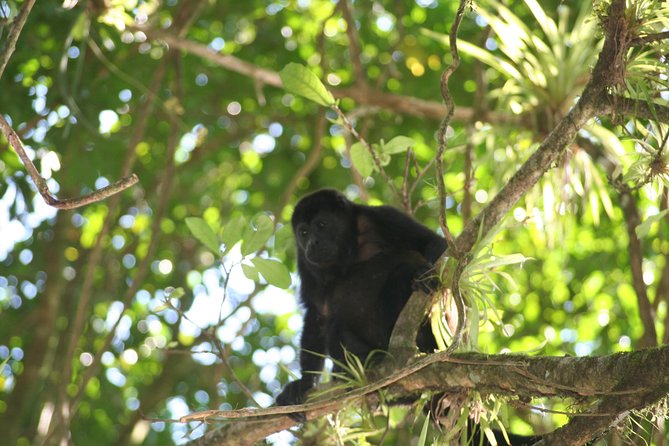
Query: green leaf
(274, 272)
(490, 435)
(257, 234)
(299, 80)
(637, 171)
(203, 232)
(283, 239)
(498, 63)
(174, 293)
(384, 159)
(362, 159)
(232, 232)
(422, 441)
(250, 272)
(643, 229)
(399, 144)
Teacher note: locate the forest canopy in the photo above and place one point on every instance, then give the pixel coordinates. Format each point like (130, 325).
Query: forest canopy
(152, 153)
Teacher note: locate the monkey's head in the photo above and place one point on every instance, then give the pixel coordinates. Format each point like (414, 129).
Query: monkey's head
(324, 224)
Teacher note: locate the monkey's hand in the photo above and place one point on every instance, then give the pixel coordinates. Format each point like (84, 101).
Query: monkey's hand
(426, 280)
(295, 393)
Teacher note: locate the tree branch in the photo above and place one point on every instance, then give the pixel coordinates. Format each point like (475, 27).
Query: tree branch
(14, 32)
(442, 134)
(621, 382)
(662, 287)
(43, 189)
(632, 220)
(407, 105)
(650, 38)
(353, 42)
(363, 95)
(606, 74)
(609, 104)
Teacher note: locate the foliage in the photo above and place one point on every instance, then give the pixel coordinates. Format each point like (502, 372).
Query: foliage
(176, 296)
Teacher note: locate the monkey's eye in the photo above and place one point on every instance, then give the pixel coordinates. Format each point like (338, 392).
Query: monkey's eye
(303, 232)
(321, 224)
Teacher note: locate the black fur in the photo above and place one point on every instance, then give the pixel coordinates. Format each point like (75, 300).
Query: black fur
(358, 265)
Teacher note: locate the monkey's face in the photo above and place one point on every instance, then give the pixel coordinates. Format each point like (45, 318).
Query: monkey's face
(324, 240)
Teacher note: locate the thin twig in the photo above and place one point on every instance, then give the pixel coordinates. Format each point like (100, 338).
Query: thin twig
(14, 32)
(442, 142)
(43, 188)
(377, 161)
(635, 249)
(442, 138)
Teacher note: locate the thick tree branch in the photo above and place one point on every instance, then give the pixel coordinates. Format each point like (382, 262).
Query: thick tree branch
(363, 95)
(621, 382)
(406, 105)
(606, 74)
(609, 104)
(650, 38)
(43, 189)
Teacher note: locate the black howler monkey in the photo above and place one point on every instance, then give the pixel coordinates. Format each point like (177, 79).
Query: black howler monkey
(357, 265)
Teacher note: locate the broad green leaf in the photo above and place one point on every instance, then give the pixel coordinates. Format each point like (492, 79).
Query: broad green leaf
(283, 239)
(257, 234)
(643, 229)
(362, 159)
(232, 233)
(250, 272)
(399, 144)
(299, 80)
(274, 272)
(203, 232)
